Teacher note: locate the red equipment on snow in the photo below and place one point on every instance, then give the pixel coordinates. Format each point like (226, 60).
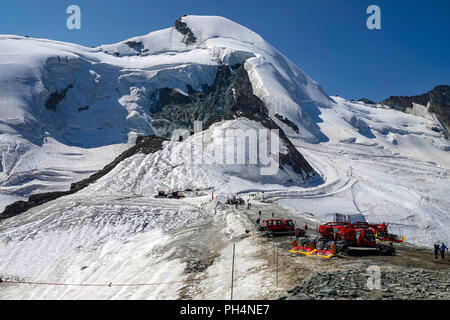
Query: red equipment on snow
(278, 227)
(176, 195)
(161, 194)
(357, 236)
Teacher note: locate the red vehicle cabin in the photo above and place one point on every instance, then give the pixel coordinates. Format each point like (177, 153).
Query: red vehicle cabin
(344, 232)
(365, 238)
(327, 230)
(279, 226)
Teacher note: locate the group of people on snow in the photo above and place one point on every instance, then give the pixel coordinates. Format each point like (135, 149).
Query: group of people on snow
(440, 249)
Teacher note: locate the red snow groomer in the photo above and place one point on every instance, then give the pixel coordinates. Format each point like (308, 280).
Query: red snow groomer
(381, 232)
(161, 194)
(364, 236)
(359, 236)
(176, 195)
(358, 233)
(336, 231)
(274, 227)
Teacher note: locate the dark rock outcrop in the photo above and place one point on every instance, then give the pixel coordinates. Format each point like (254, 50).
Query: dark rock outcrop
(439, 99)
(366, 101)
(56, 97)
(174, 110)
(189, 37)
(136, 45)
(287, 122)
(145, 145)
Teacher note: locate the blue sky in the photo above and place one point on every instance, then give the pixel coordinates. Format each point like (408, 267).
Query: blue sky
(328, 39)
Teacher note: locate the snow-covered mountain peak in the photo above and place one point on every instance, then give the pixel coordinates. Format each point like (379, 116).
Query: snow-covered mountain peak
(190, 32)
(209, 27)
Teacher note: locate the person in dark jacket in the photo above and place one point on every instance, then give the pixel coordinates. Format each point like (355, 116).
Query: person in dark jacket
(443, 248)
(436, 250)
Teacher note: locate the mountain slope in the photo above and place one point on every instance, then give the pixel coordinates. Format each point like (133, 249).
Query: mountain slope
(68, 110)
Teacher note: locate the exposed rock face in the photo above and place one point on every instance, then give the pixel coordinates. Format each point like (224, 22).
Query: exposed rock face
(366, 101)
(440, 103)
(189, 37)
(56, 97)
(403, 102)
(439, 99)
(287, 121)
(136, 45)
(174, 110)
(229, 97)
(145, 145)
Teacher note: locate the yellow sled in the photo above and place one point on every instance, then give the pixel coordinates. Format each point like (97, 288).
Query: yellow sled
(302, 249)
(324, 253)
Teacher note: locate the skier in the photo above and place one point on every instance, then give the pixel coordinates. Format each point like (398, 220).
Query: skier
(436, 250)
(443, 248)
(306, 227)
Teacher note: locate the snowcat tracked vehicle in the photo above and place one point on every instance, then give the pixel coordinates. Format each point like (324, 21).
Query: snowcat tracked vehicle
(161, 194)
(381, 232)
(351, 238)
(278, 227)
(328, 229)
(176, 195)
